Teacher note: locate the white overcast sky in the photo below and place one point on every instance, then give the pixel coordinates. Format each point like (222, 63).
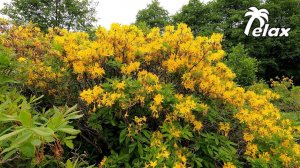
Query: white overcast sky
(124, 11)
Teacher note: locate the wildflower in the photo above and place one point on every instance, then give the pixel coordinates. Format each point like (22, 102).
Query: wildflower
(265, 156)
(248, 137)
(158, 99)
(87, 95)
(153, 164)
(285, 159)
(251, 150)
(121, 85)
(229, 165)
(224, 127)
(21, 59)
(103, 161)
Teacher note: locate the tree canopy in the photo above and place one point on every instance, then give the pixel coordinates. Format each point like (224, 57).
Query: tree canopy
(278, 56)
(69, 14)
(153, 15)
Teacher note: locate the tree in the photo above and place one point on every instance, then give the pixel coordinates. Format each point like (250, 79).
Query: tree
(277, 56)
(69, 14)
(280, 56)
(198, 16)
(153, 15)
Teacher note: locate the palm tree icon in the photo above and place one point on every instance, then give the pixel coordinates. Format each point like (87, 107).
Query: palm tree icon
(261, 15)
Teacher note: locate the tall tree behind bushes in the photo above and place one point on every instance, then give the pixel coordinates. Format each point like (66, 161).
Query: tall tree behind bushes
(69, 14)
(198, 16)
(153, 16)
(277, 55)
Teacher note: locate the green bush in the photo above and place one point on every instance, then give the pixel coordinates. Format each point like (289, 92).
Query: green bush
(29, 136)
(242, 65)
(289, 94)
(27, 133)
(7, 66)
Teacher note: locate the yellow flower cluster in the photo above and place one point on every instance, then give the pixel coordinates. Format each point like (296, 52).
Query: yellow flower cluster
(132, 67)
(286, 159)
(224, 128)
(229, 165)
(185, 108)
(265, 156)
(284, 81)
(91, 95)
(34, 52)
(139, 121)
(158, 99)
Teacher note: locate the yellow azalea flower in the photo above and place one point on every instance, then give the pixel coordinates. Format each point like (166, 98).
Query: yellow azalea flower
(224, 128)
(178, 165)
(87, 95)
(229, 165)
(285, 159)
(21, 59)
(127, 69)
(248, 137)
(265, 156)
(153, 164)
(175, 133)
(121, 85)
(158, 99)
(251, 149)
(78, 67)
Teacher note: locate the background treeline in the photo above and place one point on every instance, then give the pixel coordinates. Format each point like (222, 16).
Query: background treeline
(275, 56)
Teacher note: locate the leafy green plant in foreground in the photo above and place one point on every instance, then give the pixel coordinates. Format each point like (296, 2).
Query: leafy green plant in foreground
(28, 133)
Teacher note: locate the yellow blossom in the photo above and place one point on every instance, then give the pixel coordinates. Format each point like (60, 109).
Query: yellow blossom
(158, 99)
(229, 165)
(121, 85)
(153, 164)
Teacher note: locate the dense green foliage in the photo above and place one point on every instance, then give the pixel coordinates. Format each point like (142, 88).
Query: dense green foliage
(289, 100)
(242, 65)
(29, 135)
(69, 14)
(153, 15)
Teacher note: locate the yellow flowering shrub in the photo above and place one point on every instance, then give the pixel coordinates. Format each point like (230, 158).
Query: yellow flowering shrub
(162, 99)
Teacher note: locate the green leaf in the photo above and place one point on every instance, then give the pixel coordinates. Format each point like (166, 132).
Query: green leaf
(71, 131)
(198, 162)
(74, 116)
(6, 136)
(69, 143)
(132, 147)
(25, 118)
(28, 150)
(71, 109)
(123, 135)
(146, 133)
(140, 149)
(21, 139)
(49, 139)
(69, 164)
(43, 131)
(8, 149)
(8, 155)
(36, 142)
(34, 99)
(70, 137)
